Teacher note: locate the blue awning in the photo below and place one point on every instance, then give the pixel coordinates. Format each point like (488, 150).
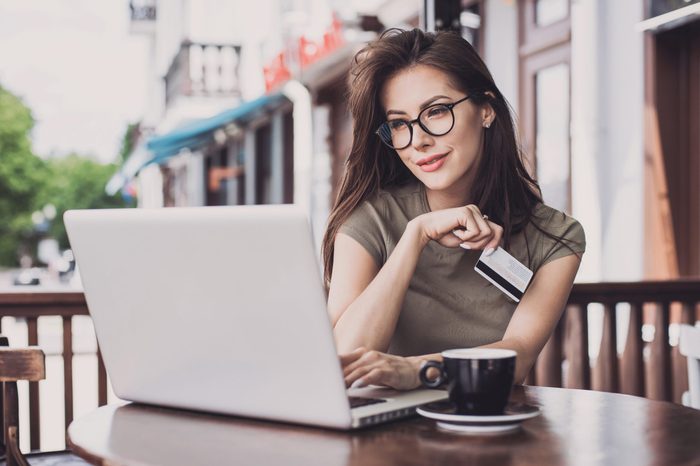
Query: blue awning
(200, 133)
(192, 136)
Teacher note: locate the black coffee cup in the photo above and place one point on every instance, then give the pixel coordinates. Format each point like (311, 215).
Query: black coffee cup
(478, 380)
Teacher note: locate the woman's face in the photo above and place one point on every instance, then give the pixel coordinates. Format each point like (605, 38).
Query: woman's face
(442, 163)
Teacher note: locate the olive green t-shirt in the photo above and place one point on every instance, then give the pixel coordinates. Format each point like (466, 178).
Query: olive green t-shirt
(448, 304)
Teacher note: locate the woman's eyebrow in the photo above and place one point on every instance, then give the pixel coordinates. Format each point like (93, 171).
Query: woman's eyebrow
(422, 106)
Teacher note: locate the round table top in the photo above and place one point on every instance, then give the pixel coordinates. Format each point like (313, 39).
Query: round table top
(576, 427)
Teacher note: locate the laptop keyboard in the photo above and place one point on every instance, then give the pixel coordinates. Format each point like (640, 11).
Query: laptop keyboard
(356, 401)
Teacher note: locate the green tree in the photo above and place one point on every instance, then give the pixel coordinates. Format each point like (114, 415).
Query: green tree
(76, 182)
(21, 174)
(127, 144)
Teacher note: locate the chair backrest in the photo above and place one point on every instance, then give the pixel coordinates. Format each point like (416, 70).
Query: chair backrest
(689, 346)
(16, 364)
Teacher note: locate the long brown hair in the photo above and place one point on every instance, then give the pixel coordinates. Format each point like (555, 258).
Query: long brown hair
(503, 189)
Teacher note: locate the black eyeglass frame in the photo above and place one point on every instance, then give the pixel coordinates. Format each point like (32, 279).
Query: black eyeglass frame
(410, 123)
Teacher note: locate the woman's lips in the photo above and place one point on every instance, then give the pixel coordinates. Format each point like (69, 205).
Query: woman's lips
(430, 164)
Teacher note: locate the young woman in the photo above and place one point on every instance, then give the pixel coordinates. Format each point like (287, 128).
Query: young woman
(435, 178)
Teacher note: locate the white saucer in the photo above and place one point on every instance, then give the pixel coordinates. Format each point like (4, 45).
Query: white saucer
(445, 413)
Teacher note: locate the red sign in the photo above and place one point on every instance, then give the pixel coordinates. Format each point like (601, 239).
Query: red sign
(307, 52)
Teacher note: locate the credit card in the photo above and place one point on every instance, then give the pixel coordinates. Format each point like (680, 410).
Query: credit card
(505, 272)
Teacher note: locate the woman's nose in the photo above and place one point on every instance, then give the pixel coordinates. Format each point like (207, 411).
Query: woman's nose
(420, 137)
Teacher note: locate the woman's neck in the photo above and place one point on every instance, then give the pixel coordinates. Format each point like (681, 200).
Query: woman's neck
(457, 196)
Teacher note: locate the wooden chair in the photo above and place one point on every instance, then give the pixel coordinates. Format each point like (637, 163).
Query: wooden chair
(689, 346)
(22, 364)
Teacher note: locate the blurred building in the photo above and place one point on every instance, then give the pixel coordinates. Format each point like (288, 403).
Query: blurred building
(247, 104)
(248, 107)
(608, 98)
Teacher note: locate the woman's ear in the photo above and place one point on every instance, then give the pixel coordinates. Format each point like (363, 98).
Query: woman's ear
(487, 112)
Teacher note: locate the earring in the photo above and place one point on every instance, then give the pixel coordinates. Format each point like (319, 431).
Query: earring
(487, 125)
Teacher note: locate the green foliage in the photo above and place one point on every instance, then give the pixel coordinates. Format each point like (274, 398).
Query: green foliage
(21, 175)
(28, 183)
(76, 182)
(128, 140)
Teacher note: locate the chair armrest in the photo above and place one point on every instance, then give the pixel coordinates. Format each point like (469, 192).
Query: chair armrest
(22, 364)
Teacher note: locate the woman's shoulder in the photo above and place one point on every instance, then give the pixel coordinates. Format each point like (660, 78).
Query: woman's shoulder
(552, 220)
(554, 228)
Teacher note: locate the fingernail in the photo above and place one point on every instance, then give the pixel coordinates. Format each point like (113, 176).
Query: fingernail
(465, 246)
(359, 383)
(455, 232)
(488, 252)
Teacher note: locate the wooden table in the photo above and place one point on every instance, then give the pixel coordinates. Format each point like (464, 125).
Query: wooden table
(576, 427)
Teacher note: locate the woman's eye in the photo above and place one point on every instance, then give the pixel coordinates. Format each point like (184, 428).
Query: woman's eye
(436, 112)
(396, 125)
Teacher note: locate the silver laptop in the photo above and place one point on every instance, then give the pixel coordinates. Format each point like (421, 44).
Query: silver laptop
(220, 309)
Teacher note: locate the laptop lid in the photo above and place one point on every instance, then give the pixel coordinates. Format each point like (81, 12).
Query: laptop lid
(218, 309)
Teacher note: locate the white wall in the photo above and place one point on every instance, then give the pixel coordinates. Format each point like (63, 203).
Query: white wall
(606, 128)
(587, 123)
(501, 47)
(607, 136)
(622, 73)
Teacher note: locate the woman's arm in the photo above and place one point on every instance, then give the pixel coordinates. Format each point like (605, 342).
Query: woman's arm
(364, 302)
(529, 329)
(538, 312)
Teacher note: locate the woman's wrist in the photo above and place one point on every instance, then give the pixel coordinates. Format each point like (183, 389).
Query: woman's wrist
(414, 229)
(416, 365)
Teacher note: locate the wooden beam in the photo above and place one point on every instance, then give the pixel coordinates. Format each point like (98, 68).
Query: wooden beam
(22, 364)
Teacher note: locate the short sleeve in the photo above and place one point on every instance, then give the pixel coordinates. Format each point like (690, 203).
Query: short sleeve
(366, 226)
(567, 238)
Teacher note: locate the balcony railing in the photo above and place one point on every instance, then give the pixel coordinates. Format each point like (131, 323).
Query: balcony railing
(649, 364)
(30, 306)
(204, 70)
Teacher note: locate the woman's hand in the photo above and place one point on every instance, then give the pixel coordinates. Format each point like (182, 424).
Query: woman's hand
(461, 226)
(369, 367)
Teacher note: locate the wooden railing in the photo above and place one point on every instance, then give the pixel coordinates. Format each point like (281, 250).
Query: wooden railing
(653, 368)
(649, 364)
(32, 305)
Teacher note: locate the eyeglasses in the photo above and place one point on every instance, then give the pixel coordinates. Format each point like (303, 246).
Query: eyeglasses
(436, 120)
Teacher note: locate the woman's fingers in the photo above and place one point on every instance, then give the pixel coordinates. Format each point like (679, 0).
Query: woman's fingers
(360, 373)
(497, 236)
(376, 368)
(482, 224)
(377, 376)
(349, 358)
(365, 358)
(479, 233)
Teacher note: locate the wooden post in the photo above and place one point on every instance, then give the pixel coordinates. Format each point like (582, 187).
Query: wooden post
(548, 368)
(68, 370)
(576, 347)
(605, 373)
(632, 363)
(659, 373)
(34, 408)
(101, 380)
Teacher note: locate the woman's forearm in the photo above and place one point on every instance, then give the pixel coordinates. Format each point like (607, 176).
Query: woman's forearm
(370, 320)
(523, 361)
